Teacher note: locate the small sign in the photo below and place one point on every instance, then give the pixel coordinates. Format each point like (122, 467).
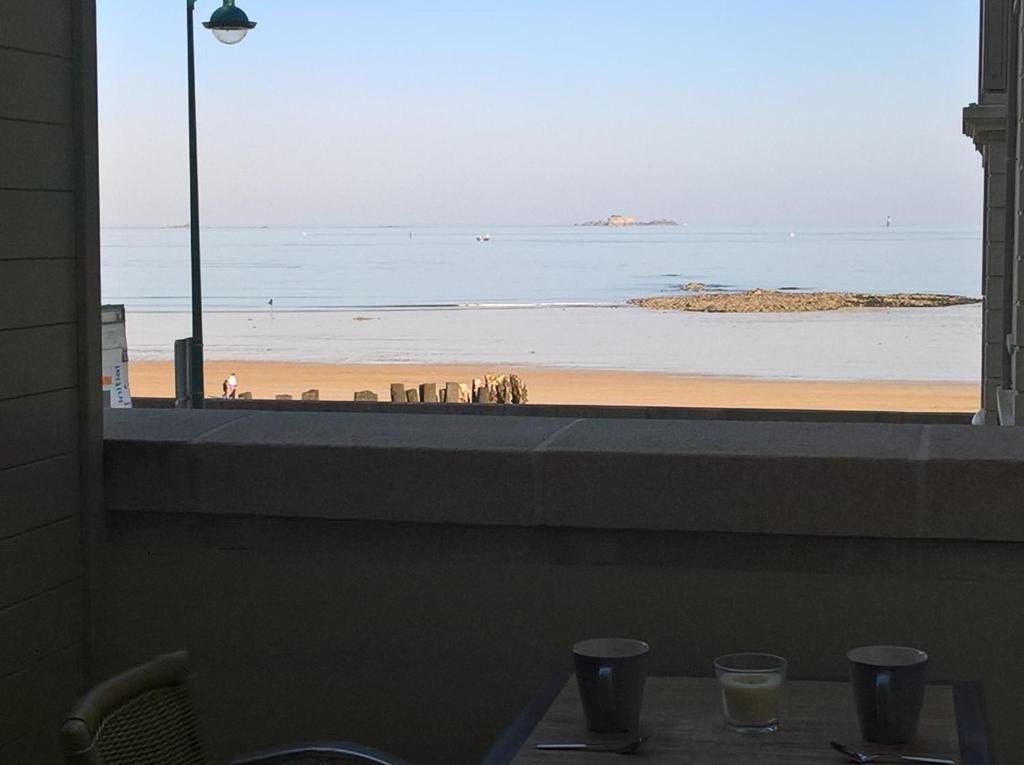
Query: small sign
(116, 393)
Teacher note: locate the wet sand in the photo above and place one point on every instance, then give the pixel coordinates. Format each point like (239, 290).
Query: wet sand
(904, 344)
(551, 385)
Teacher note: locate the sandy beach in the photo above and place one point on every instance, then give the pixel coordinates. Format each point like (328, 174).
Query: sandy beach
(867, 359)
(548, 385)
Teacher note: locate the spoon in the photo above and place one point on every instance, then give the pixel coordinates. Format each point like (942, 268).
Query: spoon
(627, 748)
(864, 757)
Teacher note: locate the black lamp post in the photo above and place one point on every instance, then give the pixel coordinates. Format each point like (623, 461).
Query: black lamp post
(229, 24)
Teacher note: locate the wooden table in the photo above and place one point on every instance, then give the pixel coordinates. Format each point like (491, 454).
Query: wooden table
(684, 716)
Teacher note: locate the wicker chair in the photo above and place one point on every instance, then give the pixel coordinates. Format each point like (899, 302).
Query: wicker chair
(144, 716)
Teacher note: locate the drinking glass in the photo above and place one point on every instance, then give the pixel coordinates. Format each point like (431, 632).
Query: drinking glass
(751, 685)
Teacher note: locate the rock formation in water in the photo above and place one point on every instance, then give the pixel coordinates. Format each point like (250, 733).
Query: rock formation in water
(621, 221)
(778, 301)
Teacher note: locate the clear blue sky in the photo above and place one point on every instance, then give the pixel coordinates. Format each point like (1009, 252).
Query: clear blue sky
(785, 112)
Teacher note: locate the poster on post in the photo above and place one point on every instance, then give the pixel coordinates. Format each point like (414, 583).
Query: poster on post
(116, 393)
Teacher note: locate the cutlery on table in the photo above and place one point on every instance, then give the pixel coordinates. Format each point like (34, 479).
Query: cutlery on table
(627, 748)
(865, 757)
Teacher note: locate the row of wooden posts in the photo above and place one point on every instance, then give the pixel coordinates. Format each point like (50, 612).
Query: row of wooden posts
(492, 389)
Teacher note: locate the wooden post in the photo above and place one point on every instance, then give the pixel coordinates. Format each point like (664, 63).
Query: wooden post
(428, 393)
(283, 397)
(365, 395)
(412, 396)
(519, 394)
(311, 395)
(397, 393)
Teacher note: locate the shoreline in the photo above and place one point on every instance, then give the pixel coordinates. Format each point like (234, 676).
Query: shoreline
(568, 385)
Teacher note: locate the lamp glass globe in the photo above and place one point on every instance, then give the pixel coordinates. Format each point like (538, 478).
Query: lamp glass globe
(230, 36)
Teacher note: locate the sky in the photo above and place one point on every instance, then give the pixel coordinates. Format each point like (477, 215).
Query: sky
(402, 112)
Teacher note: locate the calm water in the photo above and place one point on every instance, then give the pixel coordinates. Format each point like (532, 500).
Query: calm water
(384, 267)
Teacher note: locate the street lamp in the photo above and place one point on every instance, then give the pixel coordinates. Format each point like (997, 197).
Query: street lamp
(229, 24)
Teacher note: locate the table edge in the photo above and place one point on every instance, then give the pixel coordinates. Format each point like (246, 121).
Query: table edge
(515, 735)
(972, 723)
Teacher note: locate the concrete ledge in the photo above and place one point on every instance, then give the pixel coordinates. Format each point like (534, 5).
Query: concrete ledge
(784, 478)
(574, 411)
(808, 479)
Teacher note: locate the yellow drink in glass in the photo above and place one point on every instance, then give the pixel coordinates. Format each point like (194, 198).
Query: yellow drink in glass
(751, 687)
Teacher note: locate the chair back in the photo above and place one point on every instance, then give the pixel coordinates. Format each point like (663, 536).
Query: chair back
(143, 716)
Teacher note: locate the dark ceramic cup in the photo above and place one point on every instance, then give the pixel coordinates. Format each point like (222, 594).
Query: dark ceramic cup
(888, 687)
(611, 673)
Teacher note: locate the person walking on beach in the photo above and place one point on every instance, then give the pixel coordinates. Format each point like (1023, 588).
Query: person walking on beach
(232, 386)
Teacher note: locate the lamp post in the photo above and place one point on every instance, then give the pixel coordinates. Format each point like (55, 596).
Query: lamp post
(229, 24)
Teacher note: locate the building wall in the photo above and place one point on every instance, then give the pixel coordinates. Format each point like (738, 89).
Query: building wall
(995, 125)
(985, 122)
(50, 434)
(993, 273)
(1015, 399)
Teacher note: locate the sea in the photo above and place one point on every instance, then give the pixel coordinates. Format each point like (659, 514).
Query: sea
(398, 267)
(553, 296)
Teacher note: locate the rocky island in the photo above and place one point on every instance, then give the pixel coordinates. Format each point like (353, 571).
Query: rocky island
(786, 301)
(621, 221)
